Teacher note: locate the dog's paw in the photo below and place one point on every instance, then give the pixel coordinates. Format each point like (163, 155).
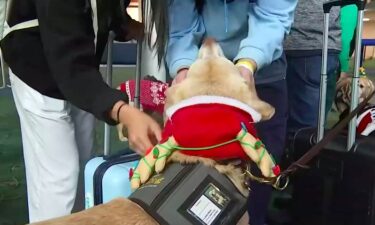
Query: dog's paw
(144, 170)
(135, 181)
(257, 152)
(163, 152)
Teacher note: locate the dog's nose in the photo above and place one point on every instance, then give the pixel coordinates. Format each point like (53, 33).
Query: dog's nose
(210, 48)
(209, 42)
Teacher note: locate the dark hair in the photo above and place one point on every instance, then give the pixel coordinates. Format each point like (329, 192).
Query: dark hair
(158, 18)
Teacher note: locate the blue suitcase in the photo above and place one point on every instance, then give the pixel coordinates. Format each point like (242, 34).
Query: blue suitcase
(107, 177)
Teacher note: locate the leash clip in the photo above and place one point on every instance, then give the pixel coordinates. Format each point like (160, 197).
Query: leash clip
(276, 182)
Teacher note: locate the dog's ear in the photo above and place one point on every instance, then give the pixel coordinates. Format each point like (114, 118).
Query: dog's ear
(372, 87)
(342, 82)
(174, 94)
(266, 110)
(369, 87)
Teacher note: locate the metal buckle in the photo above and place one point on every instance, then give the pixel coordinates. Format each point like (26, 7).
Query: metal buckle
(275, 182)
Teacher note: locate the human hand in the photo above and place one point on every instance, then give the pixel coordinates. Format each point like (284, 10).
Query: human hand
(247, 68)
(181, 75)
(143, 131)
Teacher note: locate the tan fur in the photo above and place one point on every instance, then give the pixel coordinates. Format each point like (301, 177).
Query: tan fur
(120, 211)
(212, 75)
(344, 91)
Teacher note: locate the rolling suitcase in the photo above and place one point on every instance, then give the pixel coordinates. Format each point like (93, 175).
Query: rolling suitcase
(339, 186)
(107, 177)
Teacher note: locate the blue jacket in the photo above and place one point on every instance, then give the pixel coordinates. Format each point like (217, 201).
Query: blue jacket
(243, 29)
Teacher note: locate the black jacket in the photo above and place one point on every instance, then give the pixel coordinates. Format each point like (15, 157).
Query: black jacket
(59, 58)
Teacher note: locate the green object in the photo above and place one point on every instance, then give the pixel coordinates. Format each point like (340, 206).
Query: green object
(258, 144)
(348, 24)
(155, 153)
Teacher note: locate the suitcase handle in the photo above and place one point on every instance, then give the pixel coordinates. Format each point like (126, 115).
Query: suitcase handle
(122, 153)
(328, 5)
(109, 72)
(108, 80)
(323, 88)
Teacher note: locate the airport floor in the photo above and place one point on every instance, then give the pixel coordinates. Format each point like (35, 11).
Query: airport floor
(13, 199)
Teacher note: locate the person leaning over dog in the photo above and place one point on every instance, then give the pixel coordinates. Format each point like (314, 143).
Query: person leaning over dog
(303, 49)
(251, 34)
(54, 61)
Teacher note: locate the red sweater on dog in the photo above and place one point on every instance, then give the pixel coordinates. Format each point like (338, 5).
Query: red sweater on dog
(204, 121)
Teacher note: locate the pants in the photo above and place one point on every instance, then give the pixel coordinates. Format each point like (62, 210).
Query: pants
(273, 135)
(56, 138)
(303, 78)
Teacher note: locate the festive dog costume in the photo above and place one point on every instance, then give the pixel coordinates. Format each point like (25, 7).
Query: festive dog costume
(213, 127)
(205, 121)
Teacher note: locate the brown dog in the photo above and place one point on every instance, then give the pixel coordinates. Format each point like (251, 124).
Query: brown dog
(366, 117)
(344, 91)
(212, 74)
(218, 78)
(119, 211)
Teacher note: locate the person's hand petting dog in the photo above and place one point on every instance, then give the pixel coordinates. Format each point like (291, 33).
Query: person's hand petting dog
(144, 132)
(247, 68)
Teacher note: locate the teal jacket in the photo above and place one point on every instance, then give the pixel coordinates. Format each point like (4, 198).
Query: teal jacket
(244, 29)
(348, 25)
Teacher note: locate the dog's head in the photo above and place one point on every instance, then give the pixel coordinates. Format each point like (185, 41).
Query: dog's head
(344, 91)
(213, 74)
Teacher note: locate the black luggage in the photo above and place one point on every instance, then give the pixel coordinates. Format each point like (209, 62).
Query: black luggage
(339, 186)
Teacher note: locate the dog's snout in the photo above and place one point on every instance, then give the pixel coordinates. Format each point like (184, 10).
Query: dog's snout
(210, 48)
(209, 43)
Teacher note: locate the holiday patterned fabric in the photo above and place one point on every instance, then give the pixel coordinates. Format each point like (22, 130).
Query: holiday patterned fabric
(152, 94)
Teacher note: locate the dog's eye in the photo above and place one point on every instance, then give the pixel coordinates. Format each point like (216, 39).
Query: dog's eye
(361, 86)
